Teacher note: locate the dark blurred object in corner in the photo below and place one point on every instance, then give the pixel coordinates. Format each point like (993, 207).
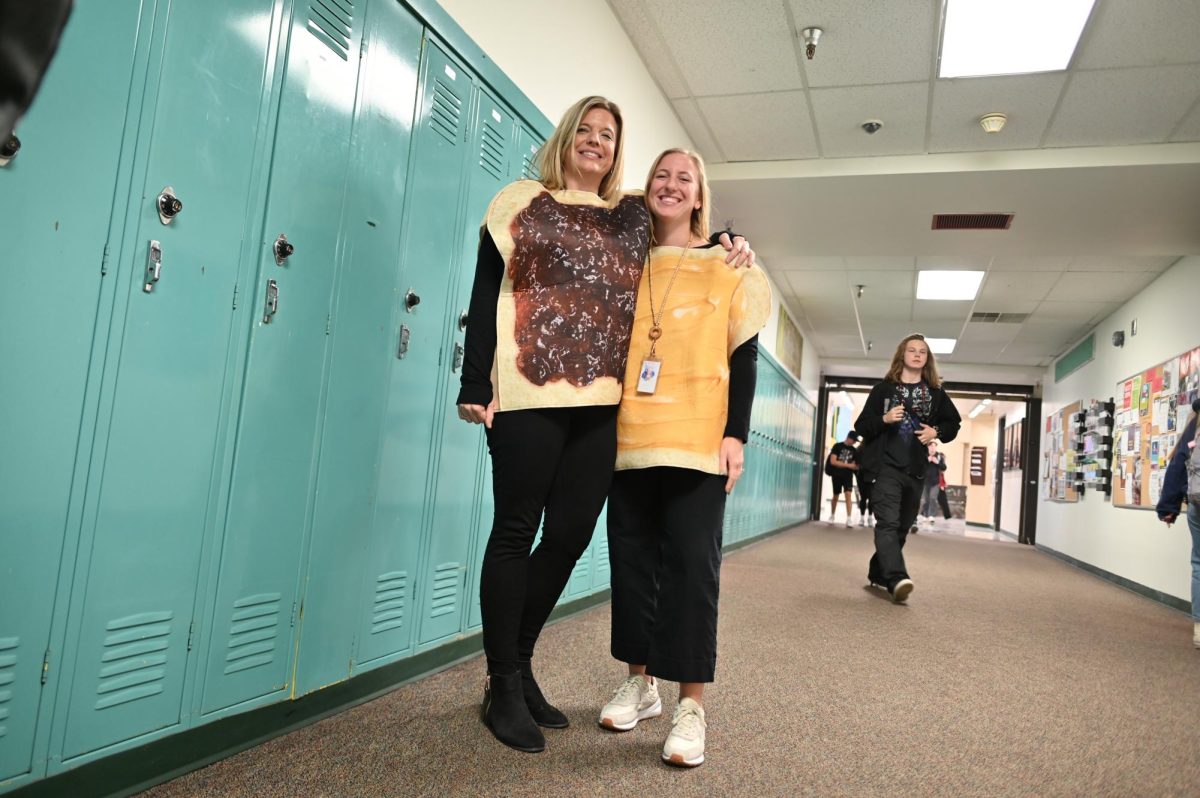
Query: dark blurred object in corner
(29, 33)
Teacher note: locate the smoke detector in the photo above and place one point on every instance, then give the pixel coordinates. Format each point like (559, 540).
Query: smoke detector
(992, 123)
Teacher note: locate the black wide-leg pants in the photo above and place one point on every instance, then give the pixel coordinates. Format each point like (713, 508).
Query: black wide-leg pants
(895, 498)
(665, 528)
(551, 462)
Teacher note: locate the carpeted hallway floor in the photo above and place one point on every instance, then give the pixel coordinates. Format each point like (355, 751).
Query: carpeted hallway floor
(1008, 673)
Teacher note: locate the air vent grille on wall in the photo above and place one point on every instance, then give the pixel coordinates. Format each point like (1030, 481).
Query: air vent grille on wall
(972, 221)
(332, 21)
(999, 318)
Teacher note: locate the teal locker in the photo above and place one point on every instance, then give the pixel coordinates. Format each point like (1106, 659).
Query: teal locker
(54, 244)
(362, 351)
(251, 625)
(420, 299)
(601, 569)
(162, 384)
(446, 607)
(483, 530)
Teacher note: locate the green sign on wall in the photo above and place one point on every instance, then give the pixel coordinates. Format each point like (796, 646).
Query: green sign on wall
(1077, 357)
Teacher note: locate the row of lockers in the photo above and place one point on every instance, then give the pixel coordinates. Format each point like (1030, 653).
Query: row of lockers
(239, 241)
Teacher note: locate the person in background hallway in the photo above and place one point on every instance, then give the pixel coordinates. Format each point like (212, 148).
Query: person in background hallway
(1182, 481)
(29, 34)
(551, 309)
(683, 420)
(935, 466)
(840, 466)
(943, 500)
(902, 416)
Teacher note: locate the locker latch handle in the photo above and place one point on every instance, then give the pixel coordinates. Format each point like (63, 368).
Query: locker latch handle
(153, 266)
(402, 349)
(457, 362)
(272, 301)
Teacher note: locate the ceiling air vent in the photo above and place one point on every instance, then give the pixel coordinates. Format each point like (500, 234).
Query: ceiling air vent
(999, 318)
(972, 221)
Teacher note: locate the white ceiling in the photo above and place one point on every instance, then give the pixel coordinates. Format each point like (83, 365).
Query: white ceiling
(1097, 163)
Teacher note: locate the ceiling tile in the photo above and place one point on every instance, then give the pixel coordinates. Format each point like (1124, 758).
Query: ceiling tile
(693, 121)
(881, 263)
(757, 55)
(819, 284)
(1075, 311)
(1005, 285)
(644, 32)
(804, 263)
(1005, 306)
(840, 113)
(1127, 263)
(1153, 100)
(1142, 33)
(953, 262)
(1190, 129)
(978, 332)
(940, 310)
(882, 286)
(866, 41)
(1027, 101)
(1099, 286)
(761, 127)
(1021, 263)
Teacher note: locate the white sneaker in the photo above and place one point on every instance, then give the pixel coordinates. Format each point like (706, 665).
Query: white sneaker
(848, 524)
(685, 743)
(636, 699)
(901, 590)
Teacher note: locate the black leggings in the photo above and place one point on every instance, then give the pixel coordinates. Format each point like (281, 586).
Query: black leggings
(556, 461)
(664, 543)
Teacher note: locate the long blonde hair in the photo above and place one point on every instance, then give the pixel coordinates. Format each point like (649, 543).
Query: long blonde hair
(929, 372)
(553, 154)
(701, 222)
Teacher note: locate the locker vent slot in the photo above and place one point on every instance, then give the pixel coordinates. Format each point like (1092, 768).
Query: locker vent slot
(445, 590)
(581, 567)
(445, 115)
(529, 169)
(8, 675)
(332, 22)
(602, 566)
(391, 594)
(252, 632)
(491, 152)
(132, 665)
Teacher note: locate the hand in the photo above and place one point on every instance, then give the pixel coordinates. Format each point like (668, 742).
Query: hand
(853, 466)
(478, 414)
(927, 435)
(1168, 519)
(894, 416)
(732, 461)
(740, 254)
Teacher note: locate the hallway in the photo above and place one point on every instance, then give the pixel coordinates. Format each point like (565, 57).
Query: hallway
(1008, 673)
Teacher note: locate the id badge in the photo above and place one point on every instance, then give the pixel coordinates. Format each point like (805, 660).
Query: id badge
(648, 377)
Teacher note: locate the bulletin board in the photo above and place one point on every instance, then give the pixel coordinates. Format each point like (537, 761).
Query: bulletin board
(1152, 408)
(1059, 472)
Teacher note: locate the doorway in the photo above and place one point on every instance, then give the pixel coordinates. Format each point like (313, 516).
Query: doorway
(990, 474)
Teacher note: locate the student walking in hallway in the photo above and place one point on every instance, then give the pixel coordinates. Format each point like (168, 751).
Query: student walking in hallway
(903, 414)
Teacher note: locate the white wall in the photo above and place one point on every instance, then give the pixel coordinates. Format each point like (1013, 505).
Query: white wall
(525, 39)
(1130, 543)
(1010, 496)
(531, 41)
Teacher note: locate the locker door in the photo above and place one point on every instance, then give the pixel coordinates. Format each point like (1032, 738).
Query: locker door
(53, 250)
(251, 626)
(521, 167)
(455, 507)
(362, 346)
(162, 387)
(420, 302)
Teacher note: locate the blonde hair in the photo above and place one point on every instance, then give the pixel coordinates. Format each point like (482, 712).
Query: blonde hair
(701, 223)
(553, 154)
(929, 372)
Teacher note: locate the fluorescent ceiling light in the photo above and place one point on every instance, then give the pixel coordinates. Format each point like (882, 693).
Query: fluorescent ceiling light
(979, 408)
(844, 399)
(1010, 37)
(948, 284)
(941, 346)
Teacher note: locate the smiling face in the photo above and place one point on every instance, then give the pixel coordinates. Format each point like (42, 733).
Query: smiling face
(674, 190)
(592, 151)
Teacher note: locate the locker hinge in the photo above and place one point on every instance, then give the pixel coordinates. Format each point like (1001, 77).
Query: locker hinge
(191, 630)
(328, 322)
(46, 666)
(104, 262)
(293, 613)
(441, 350)
(235, 290)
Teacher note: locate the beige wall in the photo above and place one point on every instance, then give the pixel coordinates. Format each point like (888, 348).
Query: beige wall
(979, 431)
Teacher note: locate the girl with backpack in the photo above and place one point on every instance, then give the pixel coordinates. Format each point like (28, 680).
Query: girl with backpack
(1183, 480)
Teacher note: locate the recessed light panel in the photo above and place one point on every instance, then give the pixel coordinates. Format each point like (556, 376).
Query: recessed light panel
(938, 284)
(941, 346)
(1010, 37)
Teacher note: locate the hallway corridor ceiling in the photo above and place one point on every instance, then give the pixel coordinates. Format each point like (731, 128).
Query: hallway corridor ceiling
(1100, 164)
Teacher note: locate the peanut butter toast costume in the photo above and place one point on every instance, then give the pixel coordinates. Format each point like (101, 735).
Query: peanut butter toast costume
(711, 310)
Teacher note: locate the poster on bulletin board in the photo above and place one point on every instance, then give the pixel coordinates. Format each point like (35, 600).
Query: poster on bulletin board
(1059, 471)
(1152, 412)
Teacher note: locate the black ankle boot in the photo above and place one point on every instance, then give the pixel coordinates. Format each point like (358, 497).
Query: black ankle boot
(505, 713)
(544, 713)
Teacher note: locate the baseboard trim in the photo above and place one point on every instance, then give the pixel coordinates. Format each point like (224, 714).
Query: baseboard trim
(141, 768)
(1173, 602)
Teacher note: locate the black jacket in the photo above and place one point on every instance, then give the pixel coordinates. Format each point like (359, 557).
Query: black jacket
(942, 414)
